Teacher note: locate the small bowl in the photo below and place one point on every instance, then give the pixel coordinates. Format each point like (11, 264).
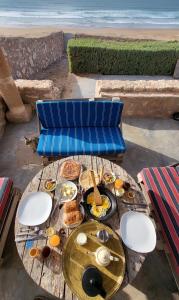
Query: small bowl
(111, 210)
(51, 189)
(111, 181)
(58, 191)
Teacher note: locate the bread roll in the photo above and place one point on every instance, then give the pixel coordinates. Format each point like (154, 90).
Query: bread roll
(72, 217)
(71, 206)
(70, 169)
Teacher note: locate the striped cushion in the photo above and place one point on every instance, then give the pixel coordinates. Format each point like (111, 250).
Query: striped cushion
(76, 113)
(81, 140)
(6, 211)
(162, 186)
(5, 189)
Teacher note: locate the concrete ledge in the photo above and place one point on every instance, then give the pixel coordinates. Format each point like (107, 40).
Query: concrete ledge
(33, 90)
(142, 98)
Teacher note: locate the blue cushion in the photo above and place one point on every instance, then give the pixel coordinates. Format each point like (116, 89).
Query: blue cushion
(76, 113)
(81, 140)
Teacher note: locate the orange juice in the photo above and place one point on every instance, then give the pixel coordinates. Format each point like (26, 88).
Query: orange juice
(54, 240)
(118, 183)
(34, 252)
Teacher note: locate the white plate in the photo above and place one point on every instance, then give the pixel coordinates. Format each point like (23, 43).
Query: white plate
(58, 191)
(34, 209)
(138, 232)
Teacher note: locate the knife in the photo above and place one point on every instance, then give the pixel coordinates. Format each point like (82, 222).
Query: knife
(137, 204)
(30, 238)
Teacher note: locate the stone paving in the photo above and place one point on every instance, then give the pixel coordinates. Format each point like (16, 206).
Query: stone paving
(150, 142)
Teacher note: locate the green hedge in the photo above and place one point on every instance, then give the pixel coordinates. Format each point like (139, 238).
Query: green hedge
(88, 55)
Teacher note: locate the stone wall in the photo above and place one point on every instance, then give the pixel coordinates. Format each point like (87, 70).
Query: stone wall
(28, 56)
(142, 98)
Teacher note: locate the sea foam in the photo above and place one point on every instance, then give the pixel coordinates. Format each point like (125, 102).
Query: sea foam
(95, 18)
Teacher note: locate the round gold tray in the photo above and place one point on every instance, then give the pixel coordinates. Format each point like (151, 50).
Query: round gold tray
(76, 258)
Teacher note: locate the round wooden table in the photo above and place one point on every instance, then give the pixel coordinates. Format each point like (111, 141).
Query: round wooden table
(49, 277)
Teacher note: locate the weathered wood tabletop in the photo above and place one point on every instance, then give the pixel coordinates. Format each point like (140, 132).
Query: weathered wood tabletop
(49, 276)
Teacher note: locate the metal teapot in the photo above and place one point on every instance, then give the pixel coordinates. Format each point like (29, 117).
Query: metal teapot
(103, 256)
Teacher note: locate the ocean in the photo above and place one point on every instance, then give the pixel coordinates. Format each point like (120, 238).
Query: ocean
(90, 13)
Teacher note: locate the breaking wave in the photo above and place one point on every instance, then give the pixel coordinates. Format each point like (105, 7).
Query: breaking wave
(90, 18)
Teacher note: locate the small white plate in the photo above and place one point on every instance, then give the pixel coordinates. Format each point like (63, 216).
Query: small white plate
(34, 209)
(138, 232)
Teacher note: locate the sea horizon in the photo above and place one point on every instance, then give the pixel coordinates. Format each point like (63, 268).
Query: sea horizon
(95, 14)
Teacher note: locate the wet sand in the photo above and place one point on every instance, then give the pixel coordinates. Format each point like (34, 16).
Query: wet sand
(156, 34)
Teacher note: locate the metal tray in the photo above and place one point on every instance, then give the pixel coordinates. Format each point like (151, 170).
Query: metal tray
(76, 258)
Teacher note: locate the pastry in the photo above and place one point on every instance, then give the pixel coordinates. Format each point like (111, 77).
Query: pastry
(70, 169)
(72, 217)
(71, 206)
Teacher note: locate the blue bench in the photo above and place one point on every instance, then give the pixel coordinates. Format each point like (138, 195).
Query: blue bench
(74, 127)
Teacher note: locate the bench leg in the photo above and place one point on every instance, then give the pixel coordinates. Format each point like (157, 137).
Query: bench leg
(45, 161)
(120, 157)
(115, 157)
(48, 160)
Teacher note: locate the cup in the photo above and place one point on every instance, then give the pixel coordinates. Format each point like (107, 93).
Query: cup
(81, 238)
(34, 252)
(46, 252)
(54, 240)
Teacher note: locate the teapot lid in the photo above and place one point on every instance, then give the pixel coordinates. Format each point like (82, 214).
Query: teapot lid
(92, 282)
(103, 255)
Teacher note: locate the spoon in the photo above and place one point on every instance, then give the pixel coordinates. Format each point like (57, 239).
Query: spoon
(58, 202)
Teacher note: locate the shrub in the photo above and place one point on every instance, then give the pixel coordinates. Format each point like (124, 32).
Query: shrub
(87, 55)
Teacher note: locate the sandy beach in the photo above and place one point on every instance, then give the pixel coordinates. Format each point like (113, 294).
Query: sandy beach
(156, 34)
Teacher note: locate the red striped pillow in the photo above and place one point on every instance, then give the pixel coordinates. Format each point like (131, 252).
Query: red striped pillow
(5, 189)
(162, 186)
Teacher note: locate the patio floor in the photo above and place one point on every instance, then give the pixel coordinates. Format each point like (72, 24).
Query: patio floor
(150, 142)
